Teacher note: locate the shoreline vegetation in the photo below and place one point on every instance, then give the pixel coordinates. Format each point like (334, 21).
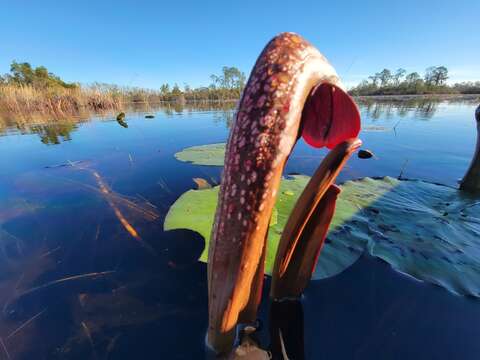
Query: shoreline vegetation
(30, 93)
(399, 82)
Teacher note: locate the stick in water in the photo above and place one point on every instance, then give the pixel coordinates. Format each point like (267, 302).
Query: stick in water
(26, 323)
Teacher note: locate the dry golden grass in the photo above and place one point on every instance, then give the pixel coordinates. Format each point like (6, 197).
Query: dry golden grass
(57, 102)
(24, 107)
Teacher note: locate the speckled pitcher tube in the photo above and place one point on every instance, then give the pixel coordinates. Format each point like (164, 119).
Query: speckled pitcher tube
(292, 91)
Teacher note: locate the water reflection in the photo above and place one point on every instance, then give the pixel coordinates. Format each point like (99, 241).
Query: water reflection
(53, 134)
(421, 109)
(172, 108)
(417, 107)
(100, 294)
(54, 131)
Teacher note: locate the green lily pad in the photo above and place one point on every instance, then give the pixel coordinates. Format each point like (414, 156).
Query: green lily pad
(211, 154)
(195, 210)
(429, 231)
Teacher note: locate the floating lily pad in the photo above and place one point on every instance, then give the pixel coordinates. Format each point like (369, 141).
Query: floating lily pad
(195, 210)
(211, 154)
(429, 231)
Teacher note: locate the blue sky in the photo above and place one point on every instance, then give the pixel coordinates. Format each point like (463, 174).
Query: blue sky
(147, 43)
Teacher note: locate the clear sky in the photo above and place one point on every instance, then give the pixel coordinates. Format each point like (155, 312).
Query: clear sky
(147, 43)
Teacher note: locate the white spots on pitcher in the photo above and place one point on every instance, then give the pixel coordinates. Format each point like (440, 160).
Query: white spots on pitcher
(269, 176)
(261, 141)
(241, 142)
(274, 193)
(265, 120)
(258, 137)
(233, 190)
(261, 101)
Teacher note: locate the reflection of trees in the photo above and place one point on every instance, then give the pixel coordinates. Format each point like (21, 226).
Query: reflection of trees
(376, 112)
(54, 131)
(402, 110)
(198, 106)
(226, 116)
(221, 111)
(52, 134)
(417, 107)
(426, 110)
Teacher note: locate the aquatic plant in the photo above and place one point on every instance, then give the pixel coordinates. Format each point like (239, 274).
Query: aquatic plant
(292, 91)
(266, 128)
(211, 154)
(422, 229)
(471, 180)
(26, 100)
(195, 210)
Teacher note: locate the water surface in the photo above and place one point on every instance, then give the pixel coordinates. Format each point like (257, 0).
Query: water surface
(63, 183)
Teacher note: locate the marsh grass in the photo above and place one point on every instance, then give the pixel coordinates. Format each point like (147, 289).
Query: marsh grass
(28, 108)
(27, 101)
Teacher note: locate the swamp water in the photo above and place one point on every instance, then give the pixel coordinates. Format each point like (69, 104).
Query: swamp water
(88, 272)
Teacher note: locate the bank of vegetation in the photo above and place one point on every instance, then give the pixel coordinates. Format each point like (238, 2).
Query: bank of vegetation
(29, 91)
(34, 91)
(399, 82)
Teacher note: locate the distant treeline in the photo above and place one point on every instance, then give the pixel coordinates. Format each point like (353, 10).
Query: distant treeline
(27, 90)
(23, 74)
(226, 86)
(399, 82)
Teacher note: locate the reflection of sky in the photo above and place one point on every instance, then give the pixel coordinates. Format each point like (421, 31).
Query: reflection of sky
(48, 206)
(434, 145)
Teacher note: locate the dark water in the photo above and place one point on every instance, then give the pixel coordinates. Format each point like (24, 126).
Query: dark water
(143, 294)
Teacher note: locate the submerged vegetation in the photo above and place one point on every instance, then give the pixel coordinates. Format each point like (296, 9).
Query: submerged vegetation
(399, 82)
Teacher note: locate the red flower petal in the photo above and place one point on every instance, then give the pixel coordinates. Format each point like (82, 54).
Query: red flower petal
(330, 116)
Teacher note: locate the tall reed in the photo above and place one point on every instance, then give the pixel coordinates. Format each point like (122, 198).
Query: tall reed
(57, 101)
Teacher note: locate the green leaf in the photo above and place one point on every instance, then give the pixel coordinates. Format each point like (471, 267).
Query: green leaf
(431, 232)
(212, 154)
(195, 210)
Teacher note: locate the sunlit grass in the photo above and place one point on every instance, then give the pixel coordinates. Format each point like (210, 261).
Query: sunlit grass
(24, 100)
